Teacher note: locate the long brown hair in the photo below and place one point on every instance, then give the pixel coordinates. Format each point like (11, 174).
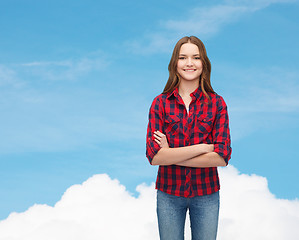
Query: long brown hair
(204, 79)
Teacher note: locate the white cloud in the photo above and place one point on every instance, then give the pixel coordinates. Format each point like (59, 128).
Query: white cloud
(151, 43)
(205, 21)
(65, 63)
(250, 211)
(258, 4)
(8, 77)
(101, 208)
(200, 21)
(69, 69)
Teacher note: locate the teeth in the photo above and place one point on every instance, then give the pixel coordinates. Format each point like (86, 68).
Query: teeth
(191, 70)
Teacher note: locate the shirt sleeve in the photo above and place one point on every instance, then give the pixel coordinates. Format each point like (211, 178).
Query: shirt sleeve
(155, 123)
(221, 133)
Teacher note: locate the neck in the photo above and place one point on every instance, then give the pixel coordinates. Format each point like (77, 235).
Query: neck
(187, 87)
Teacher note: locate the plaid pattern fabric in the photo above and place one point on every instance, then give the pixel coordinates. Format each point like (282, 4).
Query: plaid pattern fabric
(205, 123)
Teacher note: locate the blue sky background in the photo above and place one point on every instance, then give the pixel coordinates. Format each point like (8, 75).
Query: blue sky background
(77, 79)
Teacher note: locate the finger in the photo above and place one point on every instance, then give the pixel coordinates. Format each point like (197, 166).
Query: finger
(159, 133)
(157, 141)
(156, 136)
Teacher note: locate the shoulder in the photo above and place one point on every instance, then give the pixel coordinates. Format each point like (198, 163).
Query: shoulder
(217, 101)
(215, 97)
(160, 97)
(158, 101)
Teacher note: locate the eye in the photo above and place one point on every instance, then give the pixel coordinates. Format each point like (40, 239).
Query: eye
(181, 58)
(197, 58)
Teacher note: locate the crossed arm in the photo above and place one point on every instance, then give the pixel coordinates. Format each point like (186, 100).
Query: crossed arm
(198, 155)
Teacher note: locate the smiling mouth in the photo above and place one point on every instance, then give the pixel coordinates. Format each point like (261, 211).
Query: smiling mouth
(189, 70)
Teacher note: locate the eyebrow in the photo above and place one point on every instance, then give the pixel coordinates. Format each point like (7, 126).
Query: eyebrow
(186, 54)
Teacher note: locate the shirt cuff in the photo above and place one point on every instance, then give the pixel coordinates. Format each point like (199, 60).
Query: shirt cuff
(151, 150)
(223, 151)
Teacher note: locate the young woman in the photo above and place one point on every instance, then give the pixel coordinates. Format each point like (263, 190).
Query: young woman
(188, 137)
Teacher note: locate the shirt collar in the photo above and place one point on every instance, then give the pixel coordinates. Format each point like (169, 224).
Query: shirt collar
(175, 92)
(195, 94)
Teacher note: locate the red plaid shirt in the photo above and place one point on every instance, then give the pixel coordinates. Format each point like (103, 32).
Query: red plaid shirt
(205, 123)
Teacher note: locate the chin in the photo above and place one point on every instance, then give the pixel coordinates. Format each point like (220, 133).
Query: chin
(190, 79)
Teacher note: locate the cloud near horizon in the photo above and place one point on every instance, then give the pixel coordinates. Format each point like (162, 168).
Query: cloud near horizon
(102, 208)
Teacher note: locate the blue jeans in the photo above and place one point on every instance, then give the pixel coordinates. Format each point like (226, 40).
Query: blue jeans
(203, 211)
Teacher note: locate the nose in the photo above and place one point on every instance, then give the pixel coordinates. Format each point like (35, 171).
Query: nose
(189, 62)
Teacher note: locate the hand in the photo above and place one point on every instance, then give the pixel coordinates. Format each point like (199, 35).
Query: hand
(161, 139)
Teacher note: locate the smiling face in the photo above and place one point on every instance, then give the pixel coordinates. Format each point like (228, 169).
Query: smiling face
(189, 65)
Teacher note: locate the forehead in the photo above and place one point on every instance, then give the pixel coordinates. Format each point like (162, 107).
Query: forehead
(189, 48)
